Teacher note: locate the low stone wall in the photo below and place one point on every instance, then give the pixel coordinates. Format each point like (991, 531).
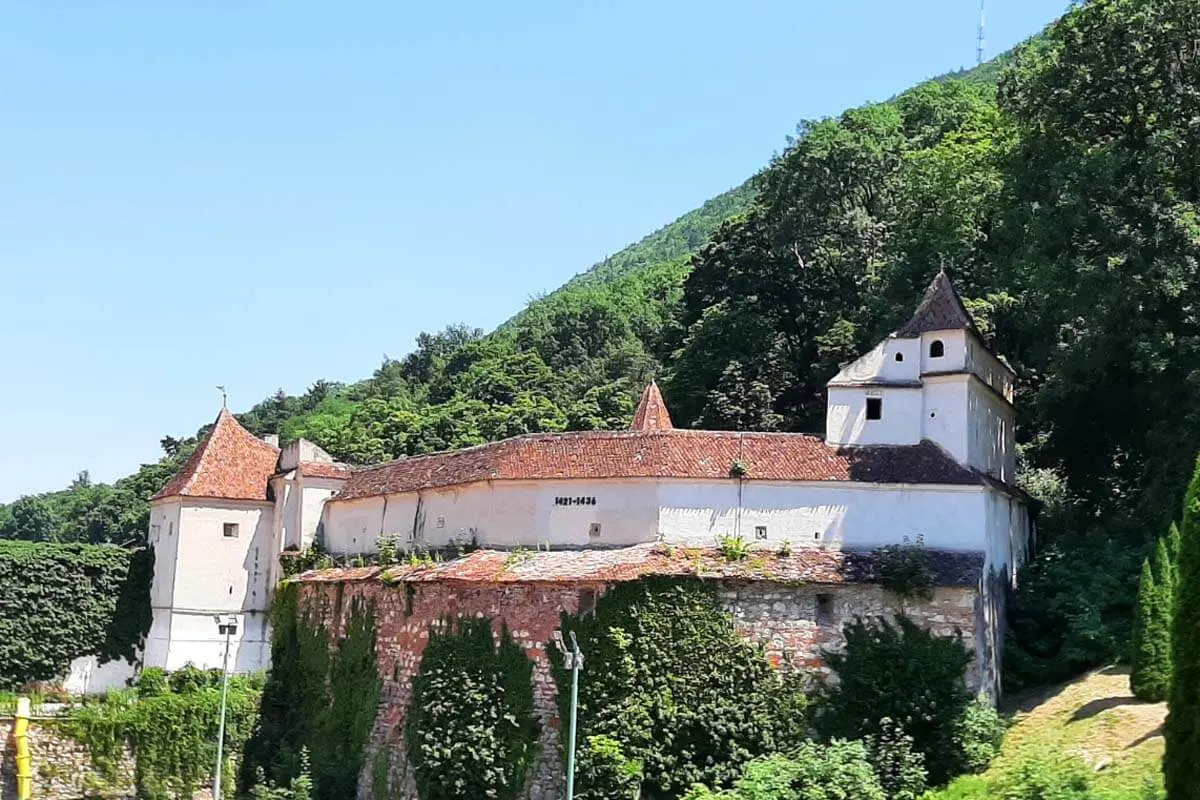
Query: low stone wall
(62, 767)
(793, 622)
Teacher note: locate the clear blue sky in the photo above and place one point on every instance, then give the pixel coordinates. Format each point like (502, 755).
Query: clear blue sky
(262, 194)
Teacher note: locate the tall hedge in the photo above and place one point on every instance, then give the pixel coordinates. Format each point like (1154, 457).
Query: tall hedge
(1181, 767)
(320, 699)
(62, 601)
(1150, 675)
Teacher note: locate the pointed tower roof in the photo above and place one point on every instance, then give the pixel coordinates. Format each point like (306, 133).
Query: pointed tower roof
(651, 412)
(941, 309)
(229, 464)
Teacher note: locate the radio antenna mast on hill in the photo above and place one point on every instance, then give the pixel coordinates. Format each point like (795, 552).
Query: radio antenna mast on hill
(979, 44)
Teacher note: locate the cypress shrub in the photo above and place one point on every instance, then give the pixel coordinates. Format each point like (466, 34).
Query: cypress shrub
(1181, 767)
(1150, 676)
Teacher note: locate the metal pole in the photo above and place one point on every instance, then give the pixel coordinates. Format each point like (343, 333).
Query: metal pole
(576, 663)
(221, 727)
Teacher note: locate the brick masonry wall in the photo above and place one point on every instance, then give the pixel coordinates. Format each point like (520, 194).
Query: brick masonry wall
(794, 624)
(62, 768)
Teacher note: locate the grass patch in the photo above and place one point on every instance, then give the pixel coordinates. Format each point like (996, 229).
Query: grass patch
(1094, 719)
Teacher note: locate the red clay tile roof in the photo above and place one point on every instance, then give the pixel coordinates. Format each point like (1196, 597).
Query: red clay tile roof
(660, 454)
(323, 469)
(941, 309)
(949, 568)
(652, 414)
(230, 464)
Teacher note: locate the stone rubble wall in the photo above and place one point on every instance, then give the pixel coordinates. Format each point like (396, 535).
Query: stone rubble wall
(794, 624)
(62, 767)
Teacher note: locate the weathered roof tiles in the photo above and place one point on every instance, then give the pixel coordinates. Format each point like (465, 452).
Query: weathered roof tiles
(831, 567)
(229, 464)
(660, 454)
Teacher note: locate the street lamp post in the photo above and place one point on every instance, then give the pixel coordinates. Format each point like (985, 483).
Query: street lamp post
(572, 660)
(227, 628)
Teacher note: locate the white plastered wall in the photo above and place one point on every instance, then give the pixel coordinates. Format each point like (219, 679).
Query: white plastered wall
(852, 516)
(954, 356)
(163, 537)
(562, 514)
(215, 575)
(846, 420)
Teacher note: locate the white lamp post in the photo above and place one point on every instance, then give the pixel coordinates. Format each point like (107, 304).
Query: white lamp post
(227, 627)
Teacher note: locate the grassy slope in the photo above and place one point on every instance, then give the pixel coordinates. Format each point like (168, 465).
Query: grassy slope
(1093, 718)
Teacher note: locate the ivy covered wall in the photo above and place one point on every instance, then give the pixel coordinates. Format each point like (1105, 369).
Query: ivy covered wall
(743, 629)
(62, 601)
(322, 693)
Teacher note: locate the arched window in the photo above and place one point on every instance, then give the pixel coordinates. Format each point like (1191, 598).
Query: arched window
(899, 356)
(937, 349)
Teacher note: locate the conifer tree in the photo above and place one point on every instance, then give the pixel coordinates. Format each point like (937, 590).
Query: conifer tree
(1173, 543)
(1181, 766)
(1150, 677)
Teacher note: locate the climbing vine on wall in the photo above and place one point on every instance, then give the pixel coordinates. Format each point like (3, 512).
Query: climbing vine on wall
(667, 679)
(318, 698)
(471, 731)
(171, 734)
(62, 601)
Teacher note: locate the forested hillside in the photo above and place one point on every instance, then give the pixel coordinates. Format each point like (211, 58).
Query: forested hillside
(1061, 190)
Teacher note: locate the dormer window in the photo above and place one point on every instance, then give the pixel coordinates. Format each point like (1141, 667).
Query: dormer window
(937, 349)
(874, 408)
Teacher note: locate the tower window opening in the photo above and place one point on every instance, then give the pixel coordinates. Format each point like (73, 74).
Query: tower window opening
(825, 611)
(874, 408)
(937, 349)
(899, 356)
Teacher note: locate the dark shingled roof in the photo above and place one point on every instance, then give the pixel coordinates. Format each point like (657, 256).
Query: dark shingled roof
(660, 454)
(813, 566)
(941, 309)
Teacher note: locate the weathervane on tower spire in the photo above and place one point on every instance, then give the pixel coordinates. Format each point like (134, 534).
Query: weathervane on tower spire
(224, 397)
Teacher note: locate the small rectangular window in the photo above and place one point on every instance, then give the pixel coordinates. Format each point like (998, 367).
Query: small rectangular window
(874, 408)
(594, 530)
(760, 531)
(587, 602)
(824, 609)
(441, 522)
(231, 530)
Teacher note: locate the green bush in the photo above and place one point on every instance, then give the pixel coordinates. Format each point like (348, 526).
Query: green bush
(1046, 779)
(667, 676)
(171, 735)
(604, 769)
(152, 682)
(899, 768)
(901, 672)
(62, 601)
(979, 732)
(837, 771)
(190, 678)
(300, 788)
(471, 730)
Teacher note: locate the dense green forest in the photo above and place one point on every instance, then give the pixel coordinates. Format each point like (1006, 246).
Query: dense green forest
(1060, 186)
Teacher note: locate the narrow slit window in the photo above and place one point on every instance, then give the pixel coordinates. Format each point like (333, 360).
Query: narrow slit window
(874, 408)
(825, 609)
(937, 349)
